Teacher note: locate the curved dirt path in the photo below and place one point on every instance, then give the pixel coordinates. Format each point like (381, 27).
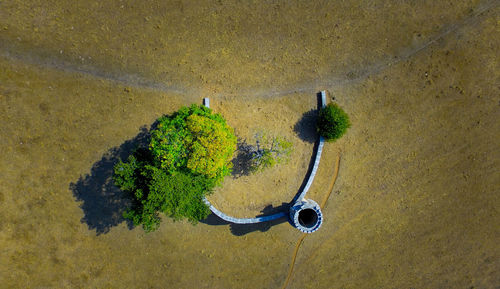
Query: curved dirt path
(138, 81)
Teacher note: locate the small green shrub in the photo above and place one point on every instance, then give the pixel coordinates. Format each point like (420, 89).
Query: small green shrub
(333, 122)
(189, 154)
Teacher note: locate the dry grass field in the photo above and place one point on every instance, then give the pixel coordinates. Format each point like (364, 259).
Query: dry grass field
(416, 201)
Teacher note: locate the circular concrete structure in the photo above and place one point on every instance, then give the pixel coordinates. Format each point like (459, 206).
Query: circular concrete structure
(306, 216)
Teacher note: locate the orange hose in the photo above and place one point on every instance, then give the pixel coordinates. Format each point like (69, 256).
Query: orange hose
(294, 256)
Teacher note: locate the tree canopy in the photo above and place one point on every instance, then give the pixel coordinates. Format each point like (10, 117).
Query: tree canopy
(189, 154)
(194, 138)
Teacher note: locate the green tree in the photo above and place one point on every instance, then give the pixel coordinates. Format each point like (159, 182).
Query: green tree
(189, 154)
(333, 122)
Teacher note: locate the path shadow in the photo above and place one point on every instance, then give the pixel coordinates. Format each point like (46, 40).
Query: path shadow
(241, 163)
(102, 202)
(309, 171)
(309, 133)
(305, 127)
(243, 229)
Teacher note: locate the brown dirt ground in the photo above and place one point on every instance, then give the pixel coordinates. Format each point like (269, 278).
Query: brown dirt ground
(416, 201)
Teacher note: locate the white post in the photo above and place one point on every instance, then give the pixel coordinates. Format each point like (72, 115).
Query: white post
(323, 98)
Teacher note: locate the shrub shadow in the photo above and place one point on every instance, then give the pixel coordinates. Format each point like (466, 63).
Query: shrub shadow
(243, 229)
(305, 127)
(102, 202)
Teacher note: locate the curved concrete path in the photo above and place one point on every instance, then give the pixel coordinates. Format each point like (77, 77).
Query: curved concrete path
(298, 197)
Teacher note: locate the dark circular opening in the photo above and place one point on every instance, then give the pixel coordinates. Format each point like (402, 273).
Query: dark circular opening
(308, 218)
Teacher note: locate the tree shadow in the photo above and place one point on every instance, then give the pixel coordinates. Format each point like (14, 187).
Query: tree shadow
(102, 202)
(241, 163)
(243, 229)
